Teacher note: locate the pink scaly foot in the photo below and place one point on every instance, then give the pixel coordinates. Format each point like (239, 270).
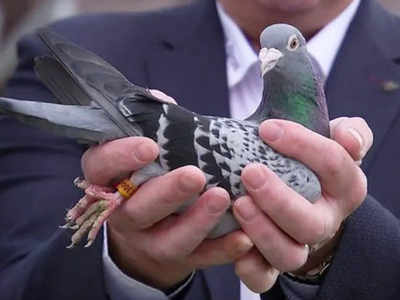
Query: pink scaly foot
(92, 210)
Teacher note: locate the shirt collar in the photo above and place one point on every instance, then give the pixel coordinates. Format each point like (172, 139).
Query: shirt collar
(239, 54)
(323, 46)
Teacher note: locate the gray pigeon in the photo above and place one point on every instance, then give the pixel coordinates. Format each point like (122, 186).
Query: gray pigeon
(99, 104)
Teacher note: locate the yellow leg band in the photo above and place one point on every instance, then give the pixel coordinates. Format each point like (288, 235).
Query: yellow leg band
(126, 188)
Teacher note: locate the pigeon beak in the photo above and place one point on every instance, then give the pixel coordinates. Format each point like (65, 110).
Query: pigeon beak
(269, 58)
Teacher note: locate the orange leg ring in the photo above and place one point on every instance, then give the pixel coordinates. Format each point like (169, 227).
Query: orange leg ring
(126, 188)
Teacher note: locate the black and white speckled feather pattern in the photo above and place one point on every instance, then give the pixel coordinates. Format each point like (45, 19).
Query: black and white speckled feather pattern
(220, 147)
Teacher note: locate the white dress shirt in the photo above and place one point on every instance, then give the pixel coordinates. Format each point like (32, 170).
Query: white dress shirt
(245, 91)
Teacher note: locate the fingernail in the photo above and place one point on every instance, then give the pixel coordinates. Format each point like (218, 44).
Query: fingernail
(245, 208)
(242, 245)
(358, 137)
(144, 152)
(217, 204)
(188, 183)
(162, 96)
(254, 176)
(270, 131)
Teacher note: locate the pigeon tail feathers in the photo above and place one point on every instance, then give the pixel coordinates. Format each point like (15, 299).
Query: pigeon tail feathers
(86, 124)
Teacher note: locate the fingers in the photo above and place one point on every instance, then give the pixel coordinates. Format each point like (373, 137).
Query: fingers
(255, 272)
(187, 231)
(305, 222)
(103, 163)
(353, 134)
(277, 219)
(278, 248)
(222, 250)
(170, 246)
(161, 196)
(329, 160)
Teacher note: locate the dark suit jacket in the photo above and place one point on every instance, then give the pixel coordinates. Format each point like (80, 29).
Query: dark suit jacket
(181, 52)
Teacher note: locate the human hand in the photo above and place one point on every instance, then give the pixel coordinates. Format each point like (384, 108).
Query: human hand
(279, 221)
(146, 239)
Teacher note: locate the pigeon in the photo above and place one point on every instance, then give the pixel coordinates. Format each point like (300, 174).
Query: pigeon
(98, 104)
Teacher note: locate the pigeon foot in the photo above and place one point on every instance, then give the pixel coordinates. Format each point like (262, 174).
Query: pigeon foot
(91, 211)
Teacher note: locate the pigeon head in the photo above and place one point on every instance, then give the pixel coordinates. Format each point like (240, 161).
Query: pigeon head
(281, 44)
(293, 88)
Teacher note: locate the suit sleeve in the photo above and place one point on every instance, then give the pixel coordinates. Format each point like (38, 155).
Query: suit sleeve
(367, 262)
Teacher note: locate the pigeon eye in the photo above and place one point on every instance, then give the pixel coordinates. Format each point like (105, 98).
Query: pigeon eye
(293, 43)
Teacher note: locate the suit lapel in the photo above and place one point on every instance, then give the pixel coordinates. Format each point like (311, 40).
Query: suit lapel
(193, 55)
(366, 61)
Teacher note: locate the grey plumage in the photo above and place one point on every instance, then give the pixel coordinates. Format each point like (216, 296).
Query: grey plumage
(98, 104)
(88, 124)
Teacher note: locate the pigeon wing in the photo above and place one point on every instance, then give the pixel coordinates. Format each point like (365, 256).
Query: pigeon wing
(52, 73)
(101, 82)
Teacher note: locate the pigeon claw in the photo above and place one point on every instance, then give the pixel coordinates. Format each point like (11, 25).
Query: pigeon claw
(91, 211)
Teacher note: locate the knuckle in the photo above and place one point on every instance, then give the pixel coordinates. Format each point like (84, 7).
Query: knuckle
(330, 226)
(322, 228)
(335, 159)
(163, 253)
(319, 228)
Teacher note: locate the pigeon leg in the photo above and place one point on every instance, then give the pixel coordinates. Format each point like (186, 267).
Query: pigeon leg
(83, 204)
(93, 209)
(99, 202)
